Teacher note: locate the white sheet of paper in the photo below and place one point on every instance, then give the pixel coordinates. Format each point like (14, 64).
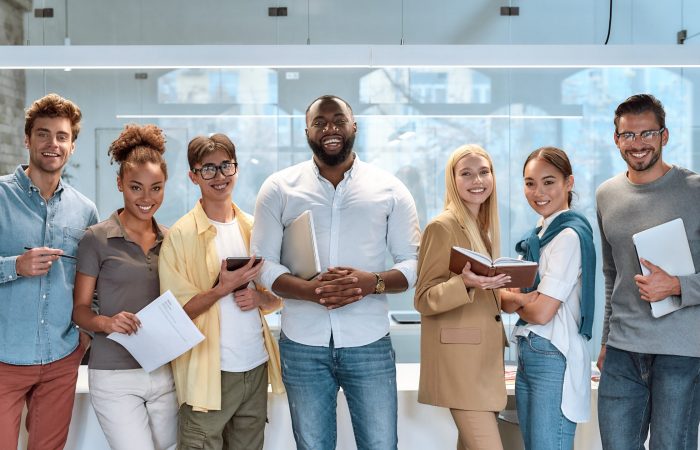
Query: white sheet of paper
(166, 332)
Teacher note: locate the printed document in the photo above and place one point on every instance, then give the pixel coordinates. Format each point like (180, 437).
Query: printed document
(166, 332)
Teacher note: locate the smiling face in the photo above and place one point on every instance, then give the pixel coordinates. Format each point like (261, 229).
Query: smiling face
(330, 131)
(641, 156)
(50, 144)
(220, 187)
(474, 181)
(546, 188)
(143, 188)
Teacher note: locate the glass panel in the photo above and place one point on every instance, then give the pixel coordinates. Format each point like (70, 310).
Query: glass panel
(409, 120)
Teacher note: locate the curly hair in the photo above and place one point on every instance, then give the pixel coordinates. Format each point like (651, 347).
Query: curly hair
(138, 144)
(52, 106)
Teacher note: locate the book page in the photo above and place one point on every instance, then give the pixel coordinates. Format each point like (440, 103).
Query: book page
(475, 255)
(507, 261)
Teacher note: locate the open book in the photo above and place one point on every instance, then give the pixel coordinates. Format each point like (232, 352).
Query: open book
(522, 273)
(666, 246)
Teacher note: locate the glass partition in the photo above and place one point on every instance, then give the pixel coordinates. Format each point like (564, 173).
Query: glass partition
(409, 120)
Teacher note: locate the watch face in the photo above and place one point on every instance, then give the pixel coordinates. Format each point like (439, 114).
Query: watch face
(379, 288)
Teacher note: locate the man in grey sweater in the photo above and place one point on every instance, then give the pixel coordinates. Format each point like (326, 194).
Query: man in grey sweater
(650, 367)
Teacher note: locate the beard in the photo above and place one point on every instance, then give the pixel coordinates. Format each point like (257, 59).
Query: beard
(338, 158)
(641, 166)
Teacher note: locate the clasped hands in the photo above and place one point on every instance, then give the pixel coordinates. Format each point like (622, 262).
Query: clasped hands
(340, 286)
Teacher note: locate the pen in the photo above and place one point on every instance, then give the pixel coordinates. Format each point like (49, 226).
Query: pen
(62, 256)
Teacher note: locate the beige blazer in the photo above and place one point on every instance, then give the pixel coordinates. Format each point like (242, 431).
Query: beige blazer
(461, 341)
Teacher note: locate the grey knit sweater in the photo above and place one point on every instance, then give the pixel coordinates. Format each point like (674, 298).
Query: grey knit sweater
(625, 208)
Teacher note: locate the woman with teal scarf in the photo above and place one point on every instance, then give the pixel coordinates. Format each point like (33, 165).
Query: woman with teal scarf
(552, 387)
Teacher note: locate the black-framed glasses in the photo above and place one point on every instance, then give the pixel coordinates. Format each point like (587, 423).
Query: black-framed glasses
(647, 136)
(208, 171)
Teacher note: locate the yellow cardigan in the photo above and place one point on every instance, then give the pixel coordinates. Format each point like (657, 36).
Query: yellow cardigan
(189, 264)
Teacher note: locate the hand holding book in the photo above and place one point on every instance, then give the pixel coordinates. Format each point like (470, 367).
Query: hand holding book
(522, 273)
(471, 279)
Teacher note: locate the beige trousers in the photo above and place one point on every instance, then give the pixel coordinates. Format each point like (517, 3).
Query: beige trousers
(478, 430)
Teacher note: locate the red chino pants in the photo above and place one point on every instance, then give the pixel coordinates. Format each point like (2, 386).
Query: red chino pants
(49, 391)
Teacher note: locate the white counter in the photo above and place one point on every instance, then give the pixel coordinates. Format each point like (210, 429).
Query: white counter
(419, 426)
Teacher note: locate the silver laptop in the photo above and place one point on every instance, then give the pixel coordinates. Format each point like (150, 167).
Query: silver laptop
(666, 246)
(299, 250)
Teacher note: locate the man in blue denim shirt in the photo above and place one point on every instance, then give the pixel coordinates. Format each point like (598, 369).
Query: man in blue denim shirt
(41, 221)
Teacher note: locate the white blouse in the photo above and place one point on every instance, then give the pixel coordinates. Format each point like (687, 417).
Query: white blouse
(560, 278)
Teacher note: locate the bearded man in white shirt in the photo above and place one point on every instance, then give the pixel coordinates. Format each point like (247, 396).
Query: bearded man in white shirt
(335, 328)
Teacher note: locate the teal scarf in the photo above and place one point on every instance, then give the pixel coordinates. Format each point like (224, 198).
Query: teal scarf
(530, 246)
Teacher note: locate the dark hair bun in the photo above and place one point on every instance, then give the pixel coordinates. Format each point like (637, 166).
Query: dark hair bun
(135, 136)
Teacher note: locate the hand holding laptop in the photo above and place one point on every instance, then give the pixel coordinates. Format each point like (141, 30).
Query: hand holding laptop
(664, 254)
(658, 284)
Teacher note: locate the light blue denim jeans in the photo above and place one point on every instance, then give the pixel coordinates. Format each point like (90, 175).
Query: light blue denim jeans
(638, 391)
(367, 374)
(538, 390)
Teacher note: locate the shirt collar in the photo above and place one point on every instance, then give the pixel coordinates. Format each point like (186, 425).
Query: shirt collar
(26, 183)
(203, 223)
(115, 229)
(544, 223)
(348, 173)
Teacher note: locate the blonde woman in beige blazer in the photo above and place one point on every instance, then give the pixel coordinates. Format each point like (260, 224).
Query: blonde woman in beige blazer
(462, 338)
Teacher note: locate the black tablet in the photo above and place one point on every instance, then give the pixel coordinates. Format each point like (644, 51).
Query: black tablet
(233, 263)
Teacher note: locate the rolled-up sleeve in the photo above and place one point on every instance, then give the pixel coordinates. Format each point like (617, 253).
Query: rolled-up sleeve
(562, 272)
(403, 234)
(266, 239)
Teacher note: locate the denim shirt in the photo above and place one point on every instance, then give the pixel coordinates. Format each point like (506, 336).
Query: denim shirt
(35, 312)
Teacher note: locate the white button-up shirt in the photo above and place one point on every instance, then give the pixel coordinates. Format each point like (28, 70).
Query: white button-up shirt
(368, 213)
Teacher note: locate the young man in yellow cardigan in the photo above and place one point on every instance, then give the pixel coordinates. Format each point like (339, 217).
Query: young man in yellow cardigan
(222, 382)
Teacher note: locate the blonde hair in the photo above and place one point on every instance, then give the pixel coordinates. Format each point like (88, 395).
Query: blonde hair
(483, 231)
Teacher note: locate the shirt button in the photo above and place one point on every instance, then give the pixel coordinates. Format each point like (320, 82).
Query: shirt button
(41, 203)
(43, 296)
(42, 320)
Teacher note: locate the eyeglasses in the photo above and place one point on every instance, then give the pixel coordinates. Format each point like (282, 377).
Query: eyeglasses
(647, 136)
(208, 171)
